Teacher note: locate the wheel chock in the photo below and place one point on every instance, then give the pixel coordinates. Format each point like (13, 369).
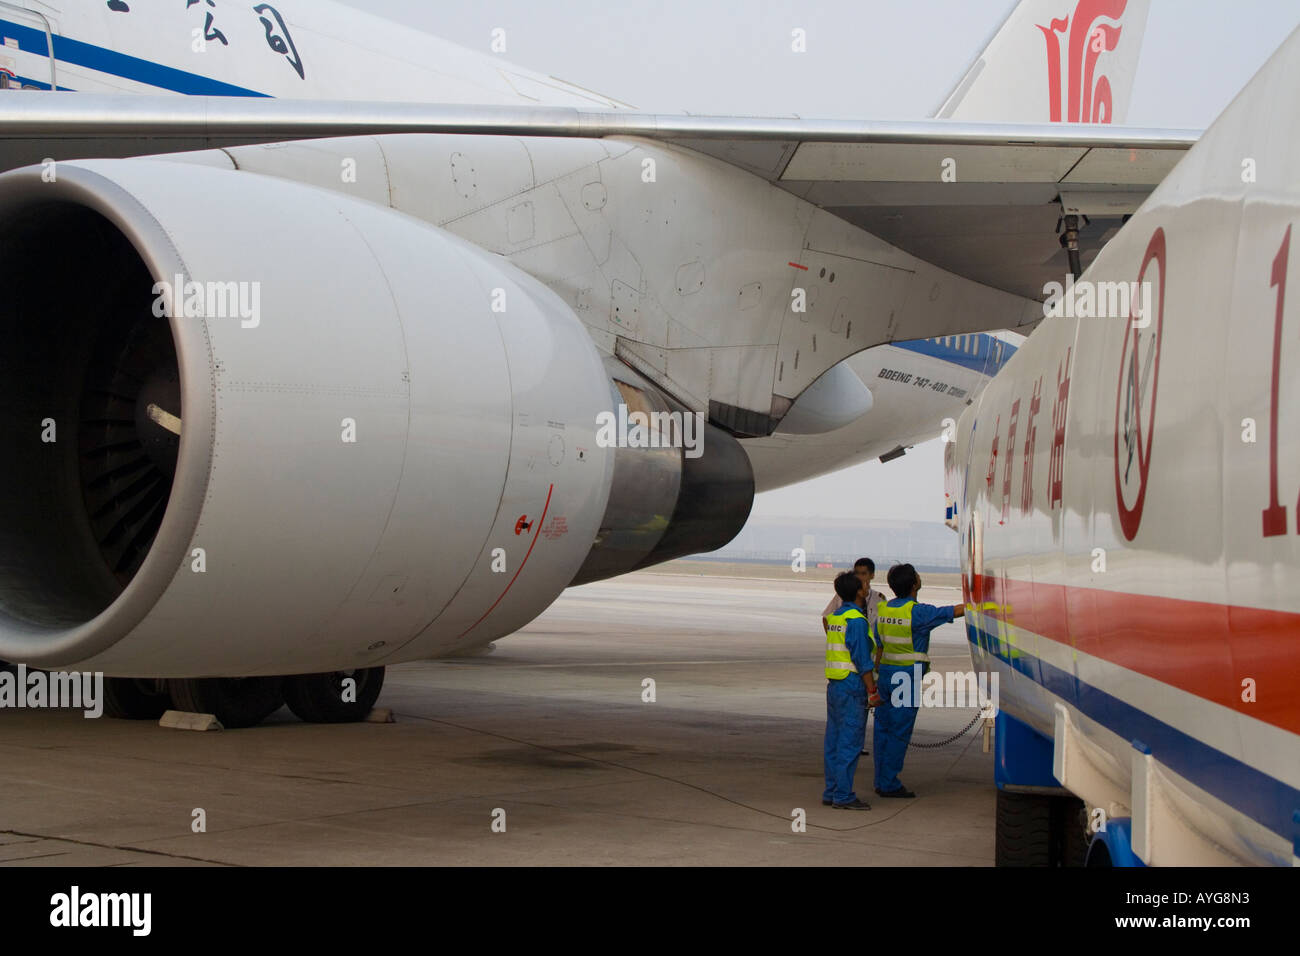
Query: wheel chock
(184, 720)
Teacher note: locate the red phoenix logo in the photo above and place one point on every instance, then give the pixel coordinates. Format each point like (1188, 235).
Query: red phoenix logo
(1087, 94)
(523, 524)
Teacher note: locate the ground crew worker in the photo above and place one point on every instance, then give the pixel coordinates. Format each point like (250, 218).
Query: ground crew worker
(865, 569)
(849, 681)
(903, 631)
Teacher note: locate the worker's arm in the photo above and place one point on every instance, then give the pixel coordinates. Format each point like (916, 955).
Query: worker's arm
(878, 648)
(959, 610)
(925, 618)
(857, 638)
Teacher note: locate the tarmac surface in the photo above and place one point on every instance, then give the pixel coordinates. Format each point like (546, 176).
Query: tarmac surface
(548, 734)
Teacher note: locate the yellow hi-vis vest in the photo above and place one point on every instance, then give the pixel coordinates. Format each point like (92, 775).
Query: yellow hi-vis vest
(894, 625)
(839, 663)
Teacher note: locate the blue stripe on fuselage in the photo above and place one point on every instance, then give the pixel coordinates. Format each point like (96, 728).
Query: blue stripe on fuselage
(988, 357)
(31, 40)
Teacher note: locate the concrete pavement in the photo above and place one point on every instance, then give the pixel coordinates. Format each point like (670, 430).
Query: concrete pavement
(551, 728)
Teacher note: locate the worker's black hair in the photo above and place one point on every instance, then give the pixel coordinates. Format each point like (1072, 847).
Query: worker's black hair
(847, 586)
(865, 563)
(902, 578)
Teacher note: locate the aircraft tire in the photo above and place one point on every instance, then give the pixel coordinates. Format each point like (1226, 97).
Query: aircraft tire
(318, 698)
(235, 701)
(129, 698)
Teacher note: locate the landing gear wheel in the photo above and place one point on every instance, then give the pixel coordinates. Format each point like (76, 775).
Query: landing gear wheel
(235, 701)
(326, 699)
(130, 698)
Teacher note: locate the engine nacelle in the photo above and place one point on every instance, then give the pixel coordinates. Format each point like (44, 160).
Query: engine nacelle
(251, 427)
(349, 439)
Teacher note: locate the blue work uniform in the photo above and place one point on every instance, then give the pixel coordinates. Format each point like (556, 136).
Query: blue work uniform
(895, 721)
(846, 711)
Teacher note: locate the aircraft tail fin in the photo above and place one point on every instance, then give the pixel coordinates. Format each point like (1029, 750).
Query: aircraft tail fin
(1055, 61)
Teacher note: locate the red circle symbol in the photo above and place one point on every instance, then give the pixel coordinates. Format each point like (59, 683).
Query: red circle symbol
(1135, 399)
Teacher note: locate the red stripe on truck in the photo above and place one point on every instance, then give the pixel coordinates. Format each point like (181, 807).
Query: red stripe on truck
(1204, 648)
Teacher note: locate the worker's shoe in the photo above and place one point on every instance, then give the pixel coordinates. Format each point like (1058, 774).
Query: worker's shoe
(852, 805)
(828, 803)
(900, 792)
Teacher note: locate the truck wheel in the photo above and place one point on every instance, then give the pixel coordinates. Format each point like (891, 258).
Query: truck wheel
(324, 698)
(1024, 829)
(1035, 829)
(1073, 814)
(130, 698)
(235, 701)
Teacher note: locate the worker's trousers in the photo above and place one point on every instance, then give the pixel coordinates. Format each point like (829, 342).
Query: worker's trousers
(893, 728)
(846, 726)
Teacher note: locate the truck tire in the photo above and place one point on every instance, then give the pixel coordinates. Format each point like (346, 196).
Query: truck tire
(318, 698)
(1098, 855)
(1035, 829)
(235, 701)
(1024, 829)
(1074, 830)
(130, 698)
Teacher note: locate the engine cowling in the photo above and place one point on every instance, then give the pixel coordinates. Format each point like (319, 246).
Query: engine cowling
(253, 427)
(352, 461)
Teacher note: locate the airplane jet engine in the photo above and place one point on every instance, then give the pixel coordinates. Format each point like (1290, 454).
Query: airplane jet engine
(256, 428)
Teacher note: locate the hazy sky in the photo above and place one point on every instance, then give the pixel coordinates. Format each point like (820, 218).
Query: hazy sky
(865, 59)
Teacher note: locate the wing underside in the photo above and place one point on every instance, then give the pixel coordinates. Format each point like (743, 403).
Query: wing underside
(980, 200)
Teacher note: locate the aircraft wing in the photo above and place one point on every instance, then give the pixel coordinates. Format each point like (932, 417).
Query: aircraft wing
(978, 199)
